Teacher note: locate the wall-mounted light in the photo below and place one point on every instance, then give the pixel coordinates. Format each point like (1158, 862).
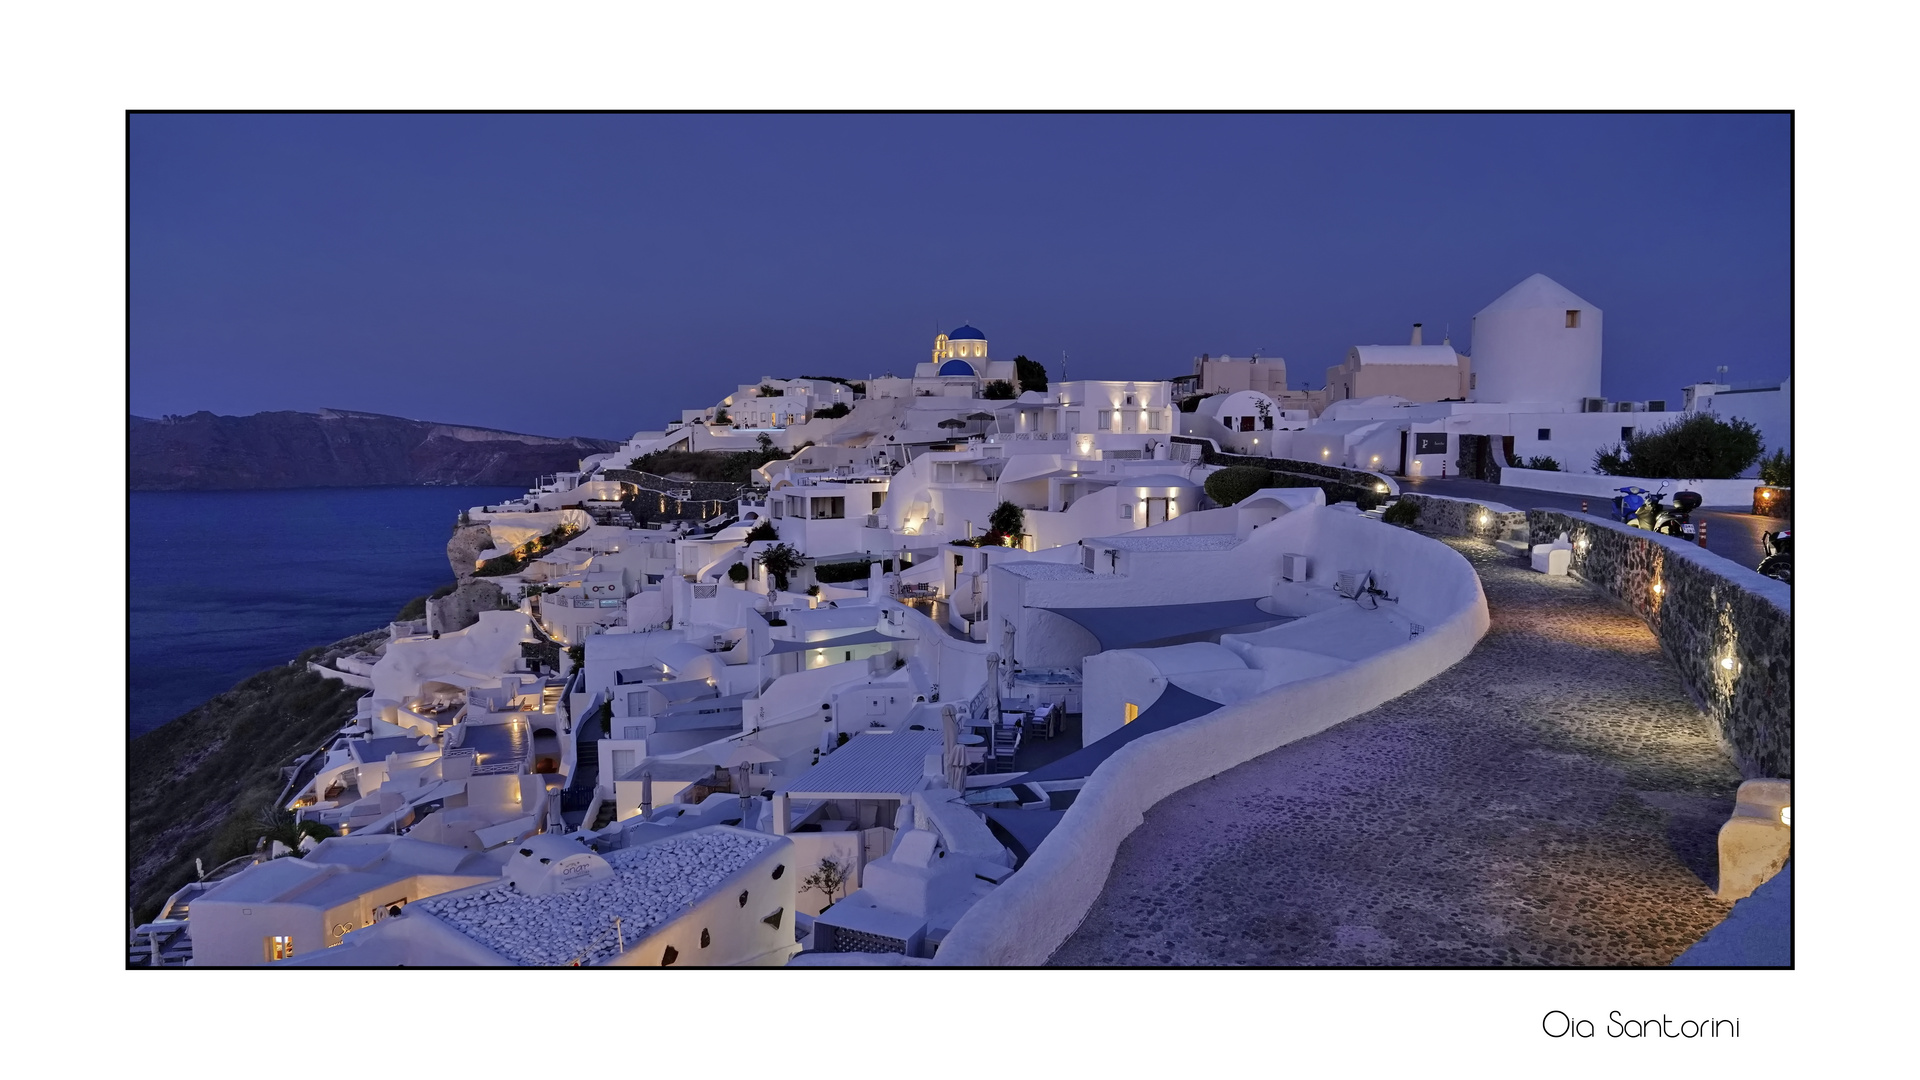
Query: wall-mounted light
(1484, 519)
(1659, 589)
(1786, 816)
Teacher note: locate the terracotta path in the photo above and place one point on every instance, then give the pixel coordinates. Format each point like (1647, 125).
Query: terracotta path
(1553, 799)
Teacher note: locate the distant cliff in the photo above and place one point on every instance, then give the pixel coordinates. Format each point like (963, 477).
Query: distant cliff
(331, 448)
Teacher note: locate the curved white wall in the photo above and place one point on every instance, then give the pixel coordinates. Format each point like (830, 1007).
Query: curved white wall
(1024, 920)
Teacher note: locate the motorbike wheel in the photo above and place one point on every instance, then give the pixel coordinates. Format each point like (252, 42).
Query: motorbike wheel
(1670, 528)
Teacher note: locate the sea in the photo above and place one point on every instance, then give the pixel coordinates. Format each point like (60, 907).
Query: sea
(223, 584)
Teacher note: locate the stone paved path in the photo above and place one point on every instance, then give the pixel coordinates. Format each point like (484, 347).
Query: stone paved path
(1553, 799)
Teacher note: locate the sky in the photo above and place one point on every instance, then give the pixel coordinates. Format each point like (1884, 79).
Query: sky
(595, 274)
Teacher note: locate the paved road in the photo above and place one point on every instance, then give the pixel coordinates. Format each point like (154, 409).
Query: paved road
(1733, 534)
(1553, 799)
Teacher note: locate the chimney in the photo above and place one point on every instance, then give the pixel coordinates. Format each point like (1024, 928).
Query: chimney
(1416, 335)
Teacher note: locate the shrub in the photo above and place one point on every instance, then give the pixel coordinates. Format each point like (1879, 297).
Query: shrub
(835, 573)
(832, 412)
(1776, 469)
(415, 608)
(999, 390)
(721, 418)
(762, 531)
(1032, 375)
(1544, 463)
(1191, 402)
(813, 590)
(1405, 512)
(737, 573)
(1007, 519)
(771, 391)
(1696, 447)
(1235, 482)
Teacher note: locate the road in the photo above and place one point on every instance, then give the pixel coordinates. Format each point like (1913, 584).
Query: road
(1730, 533)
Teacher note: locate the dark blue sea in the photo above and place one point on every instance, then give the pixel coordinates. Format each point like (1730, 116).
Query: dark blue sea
(223, 584)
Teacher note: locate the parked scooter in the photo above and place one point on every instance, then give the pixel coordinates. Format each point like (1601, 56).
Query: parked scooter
(1779, 561)
(1642, 509)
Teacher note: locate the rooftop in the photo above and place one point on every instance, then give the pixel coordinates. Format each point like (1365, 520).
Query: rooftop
(651, 884)
(871, 763)
(1190, 542)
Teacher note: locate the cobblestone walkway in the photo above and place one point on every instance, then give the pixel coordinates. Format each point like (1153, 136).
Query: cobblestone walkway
(1553, 799)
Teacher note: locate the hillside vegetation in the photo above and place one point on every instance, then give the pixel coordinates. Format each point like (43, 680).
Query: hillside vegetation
(200, 785)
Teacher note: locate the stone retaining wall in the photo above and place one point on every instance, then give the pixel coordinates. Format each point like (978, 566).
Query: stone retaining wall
(1706, 612)
(1441, 516)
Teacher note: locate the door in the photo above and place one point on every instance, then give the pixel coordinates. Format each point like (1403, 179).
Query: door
(1156, 511)
(1403, 453)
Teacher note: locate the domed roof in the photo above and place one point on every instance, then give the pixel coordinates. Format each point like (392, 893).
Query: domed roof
(966, 333)
(1537, 293)
(956, 367)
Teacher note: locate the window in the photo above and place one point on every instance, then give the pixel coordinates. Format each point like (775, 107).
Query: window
(1126, 510)
(1573, 319)
(1626, 433)
(1154, 420)
(1133, 713)
(1246, 423)
(1106, 420)
(1546, 434)
(1267, 422)
(1473, 381)
(830, 507)
(878, 498)
(279, 947)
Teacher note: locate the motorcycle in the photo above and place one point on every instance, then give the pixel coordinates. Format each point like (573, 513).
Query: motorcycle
(1778, 563)
(1642, 509)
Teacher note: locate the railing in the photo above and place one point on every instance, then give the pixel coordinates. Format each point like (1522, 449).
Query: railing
(705, 592)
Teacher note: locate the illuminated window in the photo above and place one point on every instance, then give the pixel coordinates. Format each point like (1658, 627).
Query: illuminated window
(1573, 319)
(279, 947)
(1133, 713)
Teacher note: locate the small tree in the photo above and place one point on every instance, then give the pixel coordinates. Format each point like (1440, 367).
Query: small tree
(721, 418)
(765, 442)
(1032, 375)
(1235, 482)
(781, 561)
(999, 390)
(762, 531)
(737, 573)
(1776, 469)
(1007, 520)
(830, 878)
(1544, 463)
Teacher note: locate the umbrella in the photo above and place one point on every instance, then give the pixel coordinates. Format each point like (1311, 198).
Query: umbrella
(953, 423)
(980, 416)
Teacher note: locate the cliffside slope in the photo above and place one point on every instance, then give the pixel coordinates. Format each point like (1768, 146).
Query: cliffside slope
(333, 448)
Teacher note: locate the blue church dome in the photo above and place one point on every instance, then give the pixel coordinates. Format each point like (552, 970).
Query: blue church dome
(956, 367)
(966, 333)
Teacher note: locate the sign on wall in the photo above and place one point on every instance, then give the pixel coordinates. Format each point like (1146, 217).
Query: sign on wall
(1430, 442)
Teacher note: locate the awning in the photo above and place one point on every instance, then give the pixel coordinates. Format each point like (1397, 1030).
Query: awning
(1133, 627)
(865, 637)
(1175, 706)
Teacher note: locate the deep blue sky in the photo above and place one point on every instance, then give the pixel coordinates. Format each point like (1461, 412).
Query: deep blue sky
(594, 275)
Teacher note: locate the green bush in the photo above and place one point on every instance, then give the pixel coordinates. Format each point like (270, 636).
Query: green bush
(737, 573)
(835, 573)
(1543, 462)
(999, 390)
(1235, 482)
(1776, 469)
(832, 412)
(1032, 375)
(1696, 447)
(762, 531)
(415, 608)
(1007, 519)
(1405, 512)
